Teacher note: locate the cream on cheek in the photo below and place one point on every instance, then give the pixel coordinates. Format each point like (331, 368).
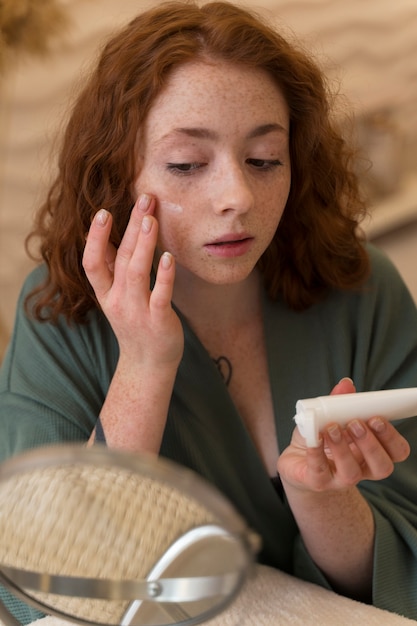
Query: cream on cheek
(173, 232)
(170, 207)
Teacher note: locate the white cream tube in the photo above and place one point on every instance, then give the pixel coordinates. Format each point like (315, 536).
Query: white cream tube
(313, 414)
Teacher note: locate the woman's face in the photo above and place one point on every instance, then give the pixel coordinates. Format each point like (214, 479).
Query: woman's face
(214, 151)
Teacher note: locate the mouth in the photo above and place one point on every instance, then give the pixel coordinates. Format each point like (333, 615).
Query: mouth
(230, 238)
(230, 245)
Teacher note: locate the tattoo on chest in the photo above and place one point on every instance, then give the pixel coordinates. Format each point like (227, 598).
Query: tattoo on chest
(225, 368)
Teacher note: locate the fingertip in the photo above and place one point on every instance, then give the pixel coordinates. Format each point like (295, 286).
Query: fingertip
(102, 217)
(345, 385)
(147, 224)
(378, 425)
(347, 380)
(144, 203)
(167, 260)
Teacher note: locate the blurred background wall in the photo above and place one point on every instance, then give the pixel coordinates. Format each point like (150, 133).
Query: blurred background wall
(370, 48)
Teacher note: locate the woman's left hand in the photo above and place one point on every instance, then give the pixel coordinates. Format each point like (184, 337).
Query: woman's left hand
(345, 456)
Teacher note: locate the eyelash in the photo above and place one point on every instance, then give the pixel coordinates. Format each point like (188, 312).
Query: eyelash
(266, 164)
(187, 169)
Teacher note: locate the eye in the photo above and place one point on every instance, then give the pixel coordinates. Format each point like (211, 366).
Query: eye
(184, 169)
(264, 164)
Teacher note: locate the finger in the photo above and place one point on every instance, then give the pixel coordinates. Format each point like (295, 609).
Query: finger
(96, 253)
(379, 462)
(394, 443)
(318, 469)
(346, 385)
(161, 296)
(139, 268)
(347, 465)
(144, 205)
(352, 446)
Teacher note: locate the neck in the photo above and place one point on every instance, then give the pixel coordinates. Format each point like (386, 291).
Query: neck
(224, 306)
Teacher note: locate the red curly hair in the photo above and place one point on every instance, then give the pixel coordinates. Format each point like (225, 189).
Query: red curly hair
(317, 246)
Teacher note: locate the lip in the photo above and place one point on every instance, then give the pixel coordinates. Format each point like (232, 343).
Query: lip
(230, 245)
(230, 238)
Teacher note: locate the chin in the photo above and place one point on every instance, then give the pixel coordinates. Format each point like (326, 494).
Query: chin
(232, 277)
(216, 274)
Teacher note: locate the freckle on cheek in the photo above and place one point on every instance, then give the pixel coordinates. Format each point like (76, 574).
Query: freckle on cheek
(171, 207)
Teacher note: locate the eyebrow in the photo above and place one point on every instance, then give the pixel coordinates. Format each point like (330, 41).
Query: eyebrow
(265, 129)
(206, 133)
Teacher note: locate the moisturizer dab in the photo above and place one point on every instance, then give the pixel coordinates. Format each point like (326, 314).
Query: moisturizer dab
(170, 206)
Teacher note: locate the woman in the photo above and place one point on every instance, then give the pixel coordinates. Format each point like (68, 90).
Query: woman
(218, 132)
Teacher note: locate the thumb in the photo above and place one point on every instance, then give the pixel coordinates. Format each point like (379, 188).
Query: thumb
(346, 385)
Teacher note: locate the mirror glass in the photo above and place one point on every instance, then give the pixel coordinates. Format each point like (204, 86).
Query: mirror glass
(105, 537)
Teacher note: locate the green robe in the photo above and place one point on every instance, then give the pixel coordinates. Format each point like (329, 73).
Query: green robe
(55, 378)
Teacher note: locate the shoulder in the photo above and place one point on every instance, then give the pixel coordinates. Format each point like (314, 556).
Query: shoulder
(381, 307)
(58, 367)
(385, 281)
(382, 268)
(34, 279)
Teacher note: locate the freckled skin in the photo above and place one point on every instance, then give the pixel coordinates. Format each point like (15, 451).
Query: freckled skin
(227, 192)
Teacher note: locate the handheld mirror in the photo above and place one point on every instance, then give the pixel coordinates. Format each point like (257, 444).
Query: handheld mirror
(99, 536)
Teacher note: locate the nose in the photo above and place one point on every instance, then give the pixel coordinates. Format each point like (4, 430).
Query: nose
(231, 189)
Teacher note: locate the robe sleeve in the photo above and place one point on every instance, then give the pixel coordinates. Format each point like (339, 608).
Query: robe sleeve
(53, 380)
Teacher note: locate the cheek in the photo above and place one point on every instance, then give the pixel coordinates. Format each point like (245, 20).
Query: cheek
(280, 197)
(173, 234)
(151, 179)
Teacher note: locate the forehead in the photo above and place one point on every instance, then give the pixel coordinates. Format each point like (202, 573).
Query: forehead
(218, 95)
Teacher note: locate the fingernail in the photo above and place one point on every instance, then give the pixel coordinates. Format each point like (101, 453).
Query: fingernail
(166, 260)
(346, 379)
(377, 424)
(143, 204)
(146, 224)
(335, 433)
(357, 429)
(102, 217)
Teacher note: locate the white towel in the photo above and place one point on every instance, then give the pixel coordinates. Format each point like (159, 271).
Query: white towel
(273, 598)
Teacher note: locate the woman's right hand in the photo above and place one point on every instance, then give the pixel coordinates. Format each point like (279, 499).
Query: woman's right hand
(148, 330)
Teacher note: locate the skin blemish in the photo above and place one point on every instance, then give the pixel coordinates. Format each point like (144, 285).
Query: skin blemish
(170, 206)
